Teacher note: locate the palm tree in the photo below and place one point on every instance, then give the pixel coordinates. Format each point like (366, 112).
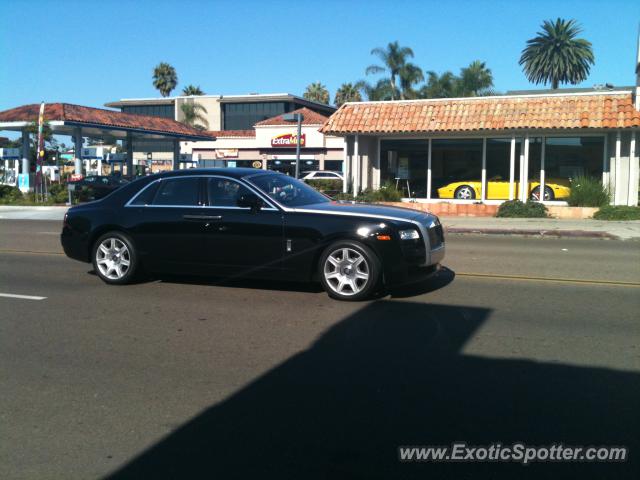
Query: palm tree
(348, 92)
(165, 78)
(440, 86)
(475, 80)
(556, 56)
(192, 115)
(192, 91)
(317, 92)
(380, 91)
(393, 59)
(410, 75)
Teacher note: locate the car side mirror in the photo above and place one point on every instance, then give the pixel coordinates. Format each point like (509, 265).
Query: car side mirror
(250, 200)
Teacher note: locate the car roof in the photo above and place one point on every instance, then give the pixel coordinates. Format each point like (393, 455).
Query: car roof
(234, 172)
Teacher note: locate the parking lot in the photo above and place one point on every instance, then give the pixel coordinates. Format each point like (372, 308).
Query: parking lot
(517, 339)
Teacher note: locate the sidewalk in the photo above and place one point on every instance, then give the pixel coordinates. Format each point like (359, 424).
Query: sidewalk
(550, 227)
(10, 212)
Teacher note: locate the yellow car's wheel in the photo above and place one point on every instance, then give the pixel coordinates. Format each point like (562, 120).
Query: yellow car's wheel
(548, 194)
(465, 192)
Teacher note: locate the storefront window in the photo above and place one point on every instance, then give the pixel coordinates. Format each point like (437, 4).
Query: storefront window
(567, 158)
(498, 167)
(535, 163)
(403, 163)
(333, 165)
(456, 167)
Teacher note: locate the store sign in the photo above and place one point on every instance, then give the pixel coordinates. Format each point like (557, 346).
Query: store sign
(226, 153)
(288, 140)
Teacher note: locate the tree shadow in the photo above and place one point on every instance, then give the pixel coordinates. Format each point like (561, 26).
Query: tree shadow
(393, 374)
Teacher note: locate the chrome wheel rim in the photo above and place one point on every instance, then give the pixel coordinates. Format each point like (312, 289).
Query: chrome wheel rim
(535, 195)
(113, 258)
(464, 193)
(346, 271)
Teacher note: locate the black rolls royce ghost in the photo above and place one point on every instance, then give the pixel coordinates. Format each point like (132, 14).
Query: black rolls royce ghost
(254, 223)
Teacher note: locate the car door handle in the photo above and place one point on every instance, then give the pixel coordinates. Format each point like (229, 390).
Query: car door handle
(202, 217)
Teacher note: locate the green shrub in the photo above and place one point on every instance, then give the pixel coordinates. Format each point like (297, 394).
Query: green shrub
(617, 212)
(518, 209)
(386, 193)
(9, 194)
(58, 193)
(588, 192)
(328, 185)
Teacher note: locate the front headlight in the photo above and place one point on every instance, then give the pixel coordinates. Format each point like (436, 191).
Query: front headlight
(409, 234)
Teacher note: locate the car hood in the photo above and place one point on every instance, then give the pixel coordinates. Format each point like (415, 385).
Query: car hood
(364, 210)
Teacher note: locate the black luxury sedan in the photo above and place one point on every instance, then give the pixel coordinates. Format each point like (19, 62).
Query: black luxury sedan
(242, 222)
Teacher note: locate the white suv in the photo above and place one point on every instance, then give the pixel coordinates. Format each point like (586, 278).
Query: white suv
(322, 175)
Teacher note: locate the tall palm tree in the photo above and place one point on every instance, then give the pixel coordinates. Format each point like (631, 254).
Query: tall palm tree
(192, 91)
(440, 86)
(475, 80)
(348, 92)
(556, 56)
(410, 75)
(317, 92)
(380, 91)
(165, 78)
(192, 115)
(393, 58)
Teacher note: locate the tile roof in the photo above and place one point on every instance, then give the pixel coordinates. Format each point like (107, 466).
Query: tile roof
(97, 116)
(309, 118)
(233, 133)
(611, 110)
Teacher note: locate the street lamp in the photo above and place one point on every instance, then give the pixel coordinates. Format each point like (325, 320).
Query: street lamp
(296, 117)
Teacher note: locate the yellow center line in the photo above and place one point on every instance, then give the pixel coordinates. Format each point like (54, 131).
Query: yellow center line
(549, 279)
(30, 252)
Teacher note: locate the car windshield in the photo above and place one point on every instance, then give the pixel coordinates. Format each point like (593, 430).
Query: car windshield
(287, 190)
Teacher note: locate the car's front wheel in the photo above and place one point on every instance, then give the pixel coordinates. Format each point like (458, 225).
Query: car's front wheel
(114, 258)
(465, 192)
(548, 194)
(349, 271)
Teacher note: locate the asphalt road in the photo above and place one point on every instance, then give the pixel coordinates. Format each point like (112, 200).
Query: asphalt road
(519, 339)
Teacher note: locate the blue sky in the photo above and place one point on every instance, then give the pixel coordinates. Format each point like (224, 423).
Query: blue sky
(92, 52)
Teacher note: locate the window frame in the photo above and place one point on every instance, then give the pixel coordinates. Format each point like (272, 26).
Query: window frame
(203, 194)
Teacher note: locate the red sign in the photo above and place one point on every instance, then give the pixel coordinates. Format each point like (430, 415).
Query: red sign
(288, 140)
(76, 177)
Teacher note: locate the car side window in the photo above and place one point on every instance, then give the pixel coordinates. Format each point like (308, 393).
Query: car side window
(145, 197)
(223, 192)
(177, 191)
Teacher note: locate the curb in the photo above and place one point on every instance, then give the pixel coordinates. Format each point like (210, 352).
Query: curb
(540, 233)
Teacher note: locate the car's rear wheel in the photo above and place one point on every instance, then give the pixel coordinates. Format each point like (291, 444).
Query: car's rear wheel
(114, 258)
(548, 194)
(349, 271)
(465, 192)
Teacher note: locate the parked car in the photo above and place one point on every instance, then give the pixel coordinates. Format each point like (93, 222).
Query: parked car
(322, 175)
(242, 222)
(497, 189)
(99, 185)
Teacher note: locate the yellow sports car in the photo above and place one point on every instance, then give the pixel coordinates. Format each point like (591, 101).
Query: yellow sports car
(554, 189)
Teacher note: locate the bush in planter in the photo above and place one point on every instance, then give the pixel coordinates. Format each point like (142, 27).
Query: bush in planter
(386, 193)
(58, 193)
(518, 209)
(588, 192)
(9, 194)
(617, 212)
(329, 185)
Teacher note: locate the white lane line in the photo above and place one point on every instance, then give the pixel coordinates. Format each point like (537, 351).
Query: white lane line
(23, 297)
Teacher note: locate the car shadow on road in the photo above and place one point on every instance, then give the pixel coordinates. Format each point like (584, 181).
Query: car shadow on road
(394, 373)
(418, 286)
